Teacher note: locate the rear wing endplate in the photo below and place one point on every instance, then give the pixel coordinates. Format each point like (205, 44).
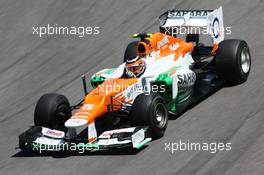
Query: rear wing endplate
(211, 20)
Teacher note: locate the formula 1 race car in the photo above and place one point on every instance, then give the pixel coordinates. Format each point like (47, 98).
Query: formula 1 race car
(129, 105)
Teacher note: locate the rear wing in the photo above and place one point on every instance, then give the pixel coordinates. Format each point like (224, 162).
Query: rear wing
(209, 20)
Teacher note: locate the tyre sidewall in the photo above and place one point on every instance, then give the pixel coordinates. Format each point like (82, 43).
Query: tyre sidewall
(143, 113)
(158, 131)
(228, 61)
(47, 111)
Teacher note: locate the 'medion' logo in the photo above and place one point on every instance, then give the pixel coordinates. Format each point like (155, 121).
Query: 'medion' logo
(193, 13)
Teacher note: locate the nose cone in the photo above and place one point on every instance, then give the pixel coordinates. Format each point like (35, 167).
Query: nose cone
(75, 122)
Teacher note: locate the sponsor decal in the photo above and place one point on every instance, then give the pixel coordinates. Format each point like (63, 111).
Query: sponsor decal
(193, 13)
(106, 142)
(186, 79)
(174, 47)
(52, 133)
(163, 42)
(106, 135)
(216, 28)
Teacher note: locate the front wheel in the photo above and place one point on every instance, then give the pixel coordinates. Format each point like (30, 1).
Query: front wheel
(150, 110)
(52, 110)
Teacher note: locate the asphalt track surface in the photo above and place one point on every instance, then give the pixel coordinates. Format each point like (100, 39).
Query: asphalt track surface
(31, 66)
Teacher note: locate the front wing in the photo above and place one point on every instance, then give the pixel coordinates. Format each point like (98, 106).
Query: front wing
(41, 139)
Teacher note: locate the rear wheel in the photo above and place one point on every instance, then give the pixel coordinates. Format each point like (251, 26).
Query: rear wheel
(52, 110)
(150, 110)
(233, 61)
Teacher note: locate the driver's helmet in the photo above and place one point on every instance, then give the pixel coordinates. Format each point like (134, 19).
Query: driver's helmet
(135, 67)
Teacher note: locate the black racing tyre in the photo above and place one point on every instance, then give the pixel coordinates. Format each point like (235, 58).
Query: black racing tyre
(233, 61)
(52, 110)
(131, 50)
(150, 110)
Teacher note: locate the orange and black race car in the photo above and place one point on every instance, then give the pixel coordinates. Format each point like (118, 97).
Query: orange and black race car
(129, 105)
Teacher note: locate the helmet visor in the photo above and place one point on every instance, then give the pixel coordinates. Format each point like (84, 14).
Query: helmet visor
(134, 68)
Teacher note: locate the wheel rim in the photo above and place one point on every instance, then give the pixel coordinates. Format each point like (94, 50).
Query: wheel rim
(245, 60)
(160, 115)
